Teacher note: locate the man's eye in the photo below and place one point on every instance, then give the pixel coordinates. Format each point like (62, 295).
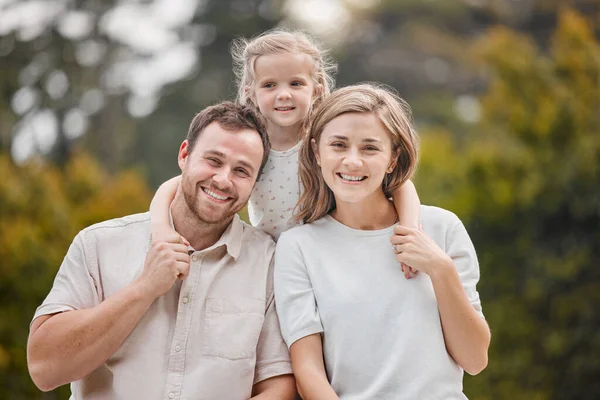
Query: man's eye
(214, 161)
(242, 172)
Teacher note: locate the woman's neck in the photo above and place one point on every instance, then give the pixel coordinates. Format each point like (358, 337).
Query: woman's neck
(283, 137)
(373, 213)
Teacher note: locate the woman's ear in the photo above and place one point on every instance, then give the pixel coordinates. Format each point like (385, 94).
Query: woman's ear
(394, 161)
(315, 148)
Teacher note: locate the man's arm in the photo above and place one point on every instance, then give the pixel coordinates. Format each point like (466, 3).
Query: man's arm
(280, 387)
(65, 347)
(68, 346)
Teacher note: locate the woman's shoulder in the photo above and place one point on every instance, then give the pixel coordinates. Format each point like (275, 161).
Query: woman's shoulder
(438, 218)
(305, 232)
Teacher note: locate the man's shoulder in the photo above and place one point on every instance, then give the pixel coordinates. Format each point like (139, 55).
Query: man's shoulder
(126, 225)
(255, 237)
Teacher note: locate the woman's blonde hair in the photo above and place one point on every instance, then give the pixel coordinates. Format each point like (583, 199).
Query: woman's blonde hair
(245, 52)
(317, 199)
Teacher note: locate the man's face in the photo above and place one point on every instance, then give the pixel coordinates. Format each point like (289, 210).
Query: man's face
(220, 172)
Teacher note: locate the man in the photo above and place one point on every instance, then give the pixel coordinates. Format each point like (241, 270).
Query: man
(127, 319)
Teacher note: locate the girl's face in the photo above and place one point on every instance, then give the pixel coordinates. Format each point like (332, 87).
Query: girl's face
(355, 152)
(284, 88)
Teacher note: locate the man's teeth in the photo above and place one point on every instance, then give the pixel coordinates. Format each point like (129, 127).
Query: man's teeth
(213, 194)
(351, 178)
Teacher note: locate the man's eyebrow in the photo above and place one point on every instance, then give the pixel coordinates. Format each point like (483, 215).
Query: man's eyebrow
(214, 153)
(243, 163)
(247, 165)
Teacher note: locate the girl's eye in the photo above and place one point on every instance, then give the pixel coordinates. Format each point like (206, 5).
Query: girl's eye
(297, 83)
(269, 85)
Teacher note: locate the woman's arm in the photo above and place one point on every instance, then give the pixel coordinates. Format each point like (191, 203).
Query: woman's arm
(309, 369)
(159, 208)
(407, 203)
(466, 334)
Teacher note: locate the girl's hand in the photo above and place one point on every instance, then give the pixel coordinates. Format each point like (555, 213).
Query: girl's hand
(166, 233)
(414, 248)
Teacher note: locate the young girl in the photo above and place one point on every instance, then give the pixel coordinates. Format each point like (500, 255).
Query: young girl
(286, 76)
(357, 329)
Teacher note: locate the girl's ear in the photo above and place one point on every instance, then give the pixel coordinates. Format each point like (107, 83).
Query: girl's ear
(315, 148)
(318, 90)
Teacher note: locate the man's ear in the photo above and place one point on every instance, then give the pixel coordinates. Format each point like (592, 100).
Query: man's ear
(315, 148)
(183, 154)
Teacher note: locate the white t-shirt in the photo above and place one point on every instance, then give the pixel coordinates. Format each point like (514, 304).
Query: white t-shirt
(276, 193)
(382, 335)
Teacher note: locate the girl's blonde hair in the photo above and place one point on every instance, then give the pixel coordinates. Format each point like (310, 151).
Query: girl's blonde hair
(317, 199)
(245, 52)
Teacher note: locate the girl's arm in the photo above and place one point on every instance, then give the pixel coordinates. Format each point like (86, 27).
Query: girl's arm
(159, 208)
(407, 203)
(454, 277)
(309, 369)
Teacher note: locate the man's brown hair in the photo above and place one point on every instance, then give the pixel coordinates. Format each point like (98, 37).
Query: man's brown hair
(232, 117)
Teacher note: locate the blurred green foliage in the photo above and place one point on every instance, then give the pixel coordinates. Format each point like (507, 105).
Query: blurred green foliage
(42, 209)
(525, 178)
(527, 183)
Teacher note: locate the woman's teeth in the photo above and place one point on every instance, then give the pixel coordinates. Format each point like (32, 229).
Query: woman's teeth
(352, 178)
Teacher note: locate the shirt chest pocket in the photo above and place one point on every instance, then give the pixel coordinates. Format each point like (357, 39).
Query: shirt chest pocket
(232, 327)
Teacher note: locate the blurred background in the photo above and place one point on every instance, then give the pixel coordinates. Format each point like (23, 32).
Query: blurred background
(96, 96)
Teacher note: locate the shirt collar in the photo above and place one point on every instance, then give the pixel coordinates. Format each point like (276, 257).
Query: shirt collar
(231, 238)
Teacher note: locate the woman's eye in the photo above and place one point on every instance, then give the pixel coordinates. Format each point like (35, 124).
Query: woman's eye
(371, 148)
(338, 144)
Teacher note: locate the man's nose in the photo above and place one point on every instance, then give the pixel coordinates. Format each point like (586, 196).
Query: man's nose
(222, 179)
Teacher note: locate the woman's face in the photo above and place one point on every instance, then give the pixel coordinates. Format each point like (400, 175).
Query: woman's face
(355, 153)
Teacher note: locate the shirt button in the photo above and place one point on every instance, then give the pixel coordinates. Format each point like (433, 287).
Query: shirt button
(194, 258)
(185, 300)
(171, 395)
(178, 348)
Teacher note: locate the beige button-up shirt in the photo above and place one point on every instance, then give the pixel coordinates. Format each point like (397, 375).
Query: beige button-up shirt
(211, 336)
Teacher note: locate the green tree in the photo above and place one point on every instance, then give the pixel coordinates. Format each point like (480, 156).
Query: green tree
(42, 208)
(528, 186)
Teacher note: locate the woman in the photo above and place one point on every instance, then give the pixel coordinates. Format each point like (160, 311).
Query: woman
(355, 328)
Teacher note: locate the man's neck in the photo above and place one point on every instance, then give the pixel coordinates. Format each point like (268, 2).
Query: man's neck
(201, 235)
